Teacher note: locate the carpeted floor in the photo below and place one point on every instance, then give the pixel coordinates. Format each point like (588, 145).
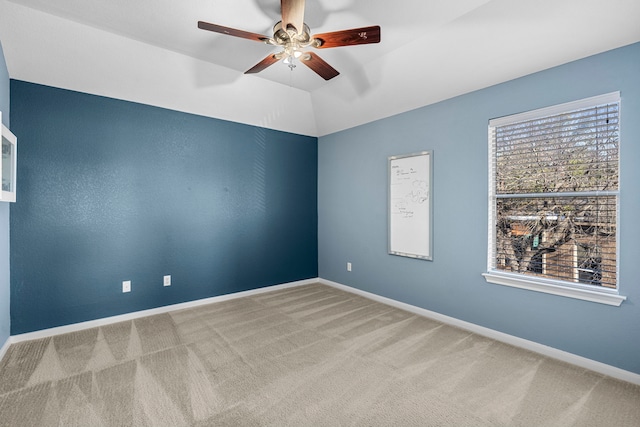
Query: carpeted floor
(306, 356)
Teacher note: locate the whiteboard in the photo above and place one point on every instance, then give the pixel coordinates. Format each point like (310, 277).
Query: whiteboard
(410, 205)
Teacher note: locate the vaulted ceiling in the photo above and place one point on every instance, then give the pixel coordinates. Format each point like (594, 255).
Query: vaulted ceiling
(151, 51)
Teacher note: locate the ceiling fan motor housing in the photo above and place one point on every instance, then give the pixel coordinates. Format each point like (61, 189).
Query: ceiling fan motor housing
(283, 36)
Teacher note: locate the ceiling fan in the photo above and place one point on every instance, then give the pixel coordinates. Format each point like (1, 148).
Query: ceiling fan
(293, 36)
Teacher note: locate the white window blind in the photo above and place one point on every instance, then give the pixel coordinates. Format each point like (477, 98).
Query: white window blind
(553, 188)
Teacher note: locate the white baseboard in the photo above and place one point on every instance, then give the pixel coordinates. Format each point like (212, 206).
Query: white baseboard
(138, 314)
(542, 349)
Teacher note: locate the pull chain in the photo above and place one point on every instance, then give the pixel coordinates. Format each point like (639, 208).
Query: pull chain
(291, 66)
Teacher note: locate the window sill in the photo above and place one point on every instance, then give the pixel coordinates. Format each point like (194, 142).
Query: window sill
(604, 296)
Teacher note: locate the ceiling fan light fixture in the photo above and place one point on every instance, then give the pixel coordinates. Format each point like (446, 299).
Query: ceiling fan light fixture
(290, 54)
(292, 50)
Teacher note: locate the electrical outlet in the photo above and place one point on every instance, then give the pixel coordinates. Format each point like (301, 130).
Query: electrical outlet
(167, 280)
(126, 286)
(348, 266)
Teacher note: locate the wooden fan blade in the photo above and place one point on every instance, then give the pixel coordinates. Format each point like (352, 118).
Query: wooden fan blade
(318, 65)
(269, 60)
(292, 14)
(231, 31)
(351, 37)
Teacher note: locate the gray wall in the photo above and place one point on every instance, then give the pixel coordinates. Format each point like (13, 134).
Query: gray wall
(352, 214)
(4, 216)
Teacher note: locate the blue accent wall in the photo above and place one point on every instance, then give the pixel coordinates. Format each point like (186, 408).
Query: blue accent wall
(111, 190)
(5, 320)
(352, 215)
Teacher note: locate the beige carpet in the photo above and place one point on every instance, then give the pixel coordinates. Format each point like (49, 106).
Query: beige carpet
(306, 356)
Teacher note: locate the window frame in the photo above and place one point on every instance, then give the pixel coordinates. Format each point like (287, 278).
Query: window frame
(563, 288)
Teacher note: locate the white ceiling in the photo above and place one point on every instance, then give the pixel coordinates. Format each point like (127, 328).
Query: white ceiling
(151, 51)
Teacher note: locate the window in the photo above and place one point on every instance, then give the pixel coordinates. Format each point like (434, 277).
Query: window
(553, 199)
